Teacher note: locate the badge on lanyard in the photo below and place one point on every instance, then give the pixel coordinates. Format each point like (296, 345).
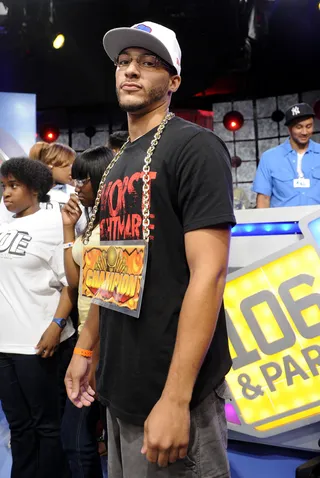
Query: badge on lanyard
(113, 274)
(301, 183)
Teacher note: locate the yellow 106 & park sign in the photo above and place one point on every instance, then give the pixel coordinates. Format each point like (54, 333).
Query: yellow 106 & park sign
(273, 318)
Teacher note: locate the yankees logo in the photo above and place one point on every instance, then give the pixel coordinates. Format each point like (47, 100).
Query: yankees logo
(295, 110)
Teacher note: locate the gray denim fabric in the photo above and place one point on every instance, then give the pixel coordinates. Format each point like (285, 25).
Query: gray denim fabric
(207, 454)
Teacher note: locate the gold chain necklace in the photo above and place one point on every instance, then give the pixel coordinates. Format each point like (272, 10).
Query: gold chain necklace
(145, 180)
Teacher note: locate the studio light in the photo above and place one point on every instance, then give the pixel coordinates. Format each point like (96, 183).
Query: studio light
(236, 161)
(58, 37)
(3, 10)
(233, 121)
(277, 116)
(3, 17)
(59, 41)
(50, 134)
(90, 131)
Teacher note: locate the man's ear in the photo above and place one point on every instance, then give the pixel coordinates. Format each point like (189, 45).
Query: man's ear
(175, 82)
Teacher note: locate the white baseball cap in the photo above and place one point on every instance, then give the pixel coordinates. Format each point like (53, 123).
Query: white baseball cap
(153, 37)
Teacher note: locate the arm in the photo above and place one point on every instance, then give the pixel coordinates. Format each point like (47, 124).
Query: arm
(89, 336)
(94, 365)
(71, 268)
(66, 302)
(70, 214)
(204, 192)
(263, 201)
(207, 256)
(262, 183)
(50, 339)
(167, 431)
(78, 373)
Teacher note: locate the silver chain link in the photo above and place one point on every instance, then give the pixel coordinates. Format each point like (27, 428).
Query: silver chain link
(145, 187)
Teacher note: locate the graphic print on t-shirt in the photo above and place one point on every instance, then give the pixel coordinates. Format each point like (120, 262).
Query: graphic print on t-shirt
(14, 242)
(121, 208)
(113, 275)
(50, 205)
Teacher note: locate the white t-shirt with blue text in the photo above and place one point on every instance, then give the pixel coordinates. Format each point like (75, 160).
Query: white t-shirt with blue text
(31, 279)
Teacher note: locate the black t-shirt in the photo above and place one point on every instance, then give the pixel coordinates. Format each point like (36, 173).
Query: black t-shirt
(191, 188)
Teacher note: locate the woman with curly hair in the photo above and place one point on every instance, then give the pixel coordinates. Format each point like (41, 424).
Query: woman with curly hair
(35, 303)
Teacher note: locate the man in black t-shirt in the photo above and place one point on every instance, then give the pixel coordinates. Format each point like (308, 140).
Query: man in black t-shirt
(161, 375)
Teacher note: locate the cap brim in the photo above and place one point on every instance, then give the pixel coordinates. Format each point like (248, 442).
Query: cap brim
(116, 40)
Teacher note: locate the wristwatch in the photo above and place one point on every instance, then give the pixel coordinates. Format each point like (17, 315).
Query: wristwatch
(61, 322)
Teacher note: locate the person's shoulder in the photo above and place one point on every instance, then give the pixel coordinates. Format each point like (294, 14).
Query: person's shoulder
(44, 226)
(190, 129)
(61, 195)
(272, 153)
(187, 127)
(315, 146)
(70, 189)
(51, 227)
(50, 218)
(186, 132)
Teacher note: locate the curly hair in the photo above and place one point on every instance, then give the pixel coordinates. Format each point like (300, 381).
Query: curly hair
(52, 154)
(35, 175)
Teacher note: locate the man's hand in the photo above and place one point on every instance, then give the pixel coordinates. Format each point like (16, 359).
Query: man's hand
(166, 432)
(77, 381)
(49, 341)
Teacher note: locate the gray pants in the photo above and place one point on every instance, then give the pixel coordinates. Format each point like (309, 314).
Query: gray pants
(207, 455)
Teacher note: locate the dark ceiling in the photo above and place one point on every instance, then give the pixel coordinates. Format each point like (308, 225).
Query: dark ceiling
(212, 35)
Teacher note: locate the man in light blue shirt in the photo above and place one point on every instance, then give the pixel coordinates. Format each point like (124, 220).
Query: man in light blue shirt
(289, 175)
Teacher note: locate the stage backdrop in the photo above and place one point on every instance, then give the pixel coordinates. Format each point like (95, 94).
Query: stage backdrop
(17, 124)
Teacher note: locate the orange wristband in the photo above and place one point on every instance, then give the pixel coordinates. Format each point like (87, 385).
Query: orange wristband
(83, 352)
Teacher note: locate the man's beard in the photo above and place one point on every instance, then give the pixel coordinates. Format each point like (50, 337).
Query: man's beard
(300, 143)
(154, 95)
